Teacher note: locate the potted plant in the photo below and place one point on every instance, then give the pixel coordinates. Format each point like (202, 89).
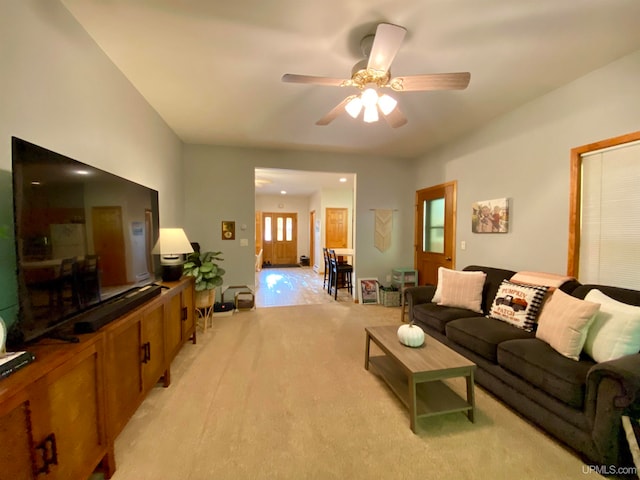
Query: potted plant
(208, 275)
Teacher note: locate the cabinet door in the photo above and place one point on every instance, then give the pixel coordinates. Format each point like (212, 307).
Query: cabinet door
(174, 326)
(75, 413)
(188, 313)
(153, 346)
(124, 373)
(15, 442)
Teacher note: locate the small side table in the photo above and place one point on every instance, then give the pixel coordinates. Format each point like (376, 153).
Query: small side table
(403, 278)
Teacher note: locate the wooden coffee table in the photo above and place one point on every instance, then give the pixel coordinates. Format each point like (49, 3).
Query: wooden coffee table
(415, 374)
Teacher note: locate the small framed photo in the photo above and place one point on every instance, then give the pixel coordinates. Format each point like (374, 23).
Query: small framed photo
(228, 230)
(368, 291)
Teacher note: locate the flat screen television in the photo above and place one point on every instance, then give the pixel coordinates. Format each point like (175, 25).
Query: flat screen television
(83, 239)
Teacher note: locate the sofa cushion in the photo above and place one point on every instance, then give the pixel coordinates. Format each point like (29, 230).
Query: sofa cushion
(615, 331)
(539, 364)
(518, 305)
(482, 335)
(437, 316)
(564, 322)
(495, 276)
(461, 289)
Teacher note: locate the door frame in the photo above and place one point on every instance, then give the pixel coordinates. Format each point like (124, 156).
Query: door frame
(451, 194)
(269, 249)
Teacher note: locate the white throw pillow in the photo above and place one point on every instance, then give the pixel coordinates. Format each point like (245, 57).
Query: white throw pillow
(564, 321)
(462, 289)
(615, 331)
(437, 296)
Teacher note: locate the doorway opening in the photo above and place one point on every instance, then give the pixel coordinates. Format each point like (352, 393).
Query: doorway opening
(292, 219)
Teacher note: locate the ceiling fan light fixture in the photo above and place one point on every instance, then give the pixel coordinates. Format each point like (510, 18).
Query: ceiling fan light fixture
(354, 107)
(370, 113)
(369, 98)
(387, 104)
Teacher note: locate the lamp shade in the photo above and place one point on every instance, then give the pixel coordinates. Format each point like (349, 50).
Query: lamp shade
(172, 241)
(387, 104)
(171, 245)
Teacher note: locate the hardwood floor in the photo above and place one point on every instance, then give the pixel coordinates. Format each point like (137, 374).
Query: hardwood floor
(277, 287)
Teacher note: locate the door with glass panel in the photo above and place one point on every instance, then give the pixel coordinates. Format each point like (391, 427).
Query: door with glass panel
(280, 238)
(435, 231)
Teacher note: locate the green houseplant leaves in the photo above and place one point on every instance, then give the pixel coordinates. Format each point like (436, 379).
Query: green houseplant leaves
(204, 268)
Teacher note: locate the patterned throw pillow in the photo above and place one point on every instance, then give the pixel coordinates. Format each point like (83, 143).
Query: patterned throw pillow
(518, 304)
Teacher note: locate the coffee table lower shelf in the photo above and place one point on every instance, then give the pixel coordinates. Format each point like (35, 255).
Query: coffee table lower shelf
(433, 397)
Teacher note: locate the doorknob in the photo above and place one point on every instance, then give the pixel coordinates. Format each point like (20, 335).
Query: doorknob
(448, 259)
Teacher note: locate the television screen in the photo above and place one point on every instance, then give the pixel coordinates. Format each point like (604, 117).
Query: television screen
(83, 237)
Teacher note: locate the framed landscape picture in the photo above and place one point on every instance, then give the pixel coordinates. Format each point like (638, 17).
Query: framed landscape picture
(490, 216)
(368, 291)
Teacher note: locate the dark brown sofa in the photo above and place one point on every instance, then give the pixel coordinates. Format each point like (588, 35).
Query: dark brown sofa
(578, 402)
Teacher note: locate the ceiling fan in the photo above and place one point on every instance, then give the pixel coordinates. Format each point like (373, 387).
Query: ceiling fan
(373, 73)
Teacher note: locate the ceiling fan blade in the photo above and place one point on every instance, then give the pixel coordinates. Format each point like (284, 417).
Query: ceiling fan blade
(396, 118)
(311, 79)
(333, 114)
(433, 81)
(386, 44)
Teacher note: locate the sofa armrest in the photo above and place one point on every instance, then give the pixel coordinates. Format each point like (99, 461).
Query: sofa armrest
(417, 295)
(625, 371)
(613, 388)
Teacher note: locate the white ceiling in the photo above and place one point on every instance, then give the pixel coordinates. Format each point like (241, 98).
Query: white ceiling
(212, 68)
(271, 181)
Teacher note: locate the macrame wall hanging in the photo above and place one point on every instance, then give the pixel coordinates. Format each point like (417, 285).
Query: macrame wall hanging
(383, 228)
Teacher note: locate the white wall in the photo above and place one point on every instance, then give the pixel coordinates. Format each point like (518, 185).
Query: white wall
(219, 186)
(524, 155)
(60, 91)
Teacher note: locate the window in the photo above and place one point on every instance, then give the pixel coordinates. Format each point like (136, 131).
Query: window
(604, 237)
(433, 221)
(267, 229)
(289, 229)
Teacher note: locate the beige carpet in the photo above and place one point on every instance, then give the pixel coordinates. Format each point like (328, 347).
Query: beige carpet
(281, 393)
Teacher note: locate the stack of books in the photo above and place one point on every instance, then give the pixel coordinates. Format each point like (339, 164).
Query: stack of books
(13, 361)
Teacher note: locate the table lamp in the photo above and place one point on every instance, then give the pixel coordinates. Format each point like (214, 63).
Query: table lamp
(171, 246)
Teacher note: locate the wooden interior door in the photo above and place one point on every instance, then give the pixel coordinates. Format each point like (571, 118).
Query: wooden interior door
(108, 242)
(435, 231)
(280, 238)
(337, 227)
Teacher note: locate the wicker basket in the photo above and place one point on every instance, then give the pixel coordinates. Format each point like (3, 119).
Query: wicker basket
(390, 298)
(205, 298)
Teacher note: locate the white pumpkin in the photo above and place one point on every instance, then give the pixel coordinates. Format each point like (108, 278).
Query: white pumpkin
(411, 335)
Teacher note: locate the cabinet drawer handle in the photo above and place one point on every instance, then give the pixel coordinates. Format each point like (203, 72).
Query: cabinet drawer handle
(49, 451)
(184, 314)
(143, 348)
(146, 352)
